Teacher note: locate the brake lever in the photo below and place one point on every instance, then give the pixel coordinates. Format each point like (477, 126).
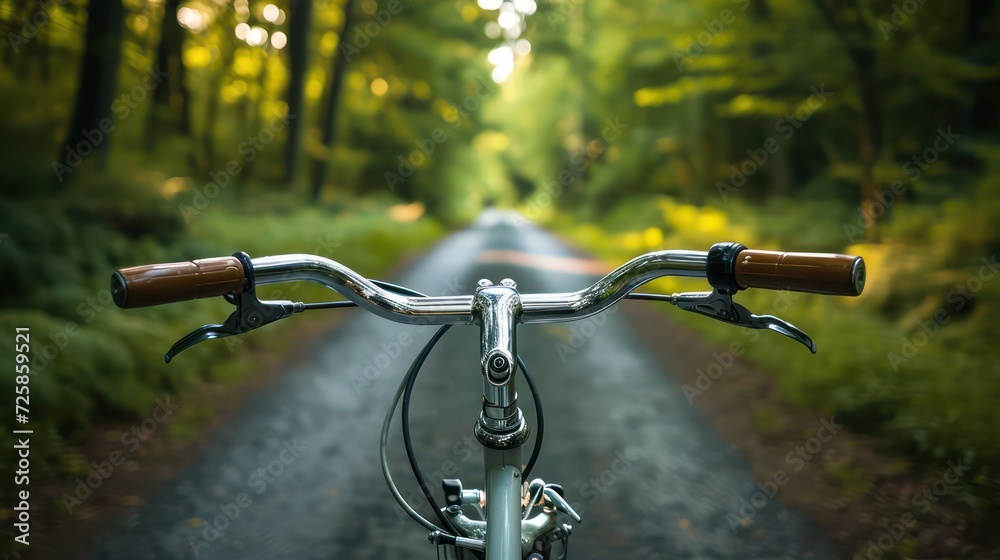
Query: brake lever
(251, 313)
(561, 504)
(718, 304)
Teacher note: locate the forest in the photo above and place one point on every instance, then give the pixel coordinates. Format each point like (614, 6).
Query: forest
(364, 130)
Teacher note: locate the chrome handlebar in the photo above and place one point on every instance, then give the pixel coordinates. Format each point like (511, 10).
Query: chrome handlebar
(728, 267)
(443, 310)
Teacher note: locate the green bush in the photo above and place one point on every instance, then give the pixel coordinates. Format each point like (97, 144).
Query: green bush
(885, 365)
(92, 361)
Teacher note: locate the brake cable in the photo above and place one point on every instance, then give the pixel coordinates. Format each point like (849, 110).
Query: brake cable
(405, 390)
(407, 441)
(649, 297)
(383, 458)
(411, 377)
(539, 418)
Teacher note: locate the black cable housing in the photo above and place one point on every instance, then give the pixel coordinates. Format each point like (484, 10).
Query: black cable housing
(539, 419)
(411, 378)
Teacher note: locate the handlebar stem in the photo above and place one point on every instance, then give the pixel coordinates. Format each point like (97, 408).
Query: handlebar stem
(497, 308)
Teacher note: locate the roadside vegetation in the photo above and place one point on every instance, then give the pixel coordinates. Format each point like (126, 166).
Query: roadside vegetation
(93, 362)
(925, 379)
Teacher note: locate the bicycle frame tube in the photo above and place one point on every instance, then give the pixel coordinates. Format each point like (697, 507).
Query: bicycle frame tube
(503, 503)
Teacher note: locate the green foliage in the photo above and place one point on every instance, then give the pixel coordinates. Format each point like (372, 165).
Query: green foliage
(893, 370)
(92, 361)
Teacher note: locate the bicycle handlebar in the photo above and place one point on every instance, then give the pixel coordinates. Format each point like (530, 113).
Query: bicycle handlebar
(155, 284)
(535, 308)
(822, 273)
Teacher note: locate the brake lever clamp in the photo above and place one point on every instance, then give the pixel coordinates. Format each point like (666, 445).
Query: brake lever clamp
(251, 313)
(718, 304)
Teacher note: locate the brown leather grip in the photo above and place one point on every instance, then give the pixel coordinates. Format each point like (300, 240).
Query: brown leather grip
(819, 273)
(155, 284)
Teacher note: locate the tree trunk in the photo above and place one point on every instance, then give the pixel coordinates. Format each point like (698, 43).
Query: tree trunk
(207, 160)
(858, 42)
(977, 12)
(45, 65)
(256, 123)
(90, 129)
(779, 167)
(761, 11)
(300, 14)
(332, 105)
(170, 105)
(581, 24)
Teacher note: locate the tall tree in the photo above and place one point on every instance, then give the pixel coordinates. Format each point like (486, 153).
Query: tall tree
(206, 157)
(97, 83)
(857, 38)
(340, 64)
(977, 43)
(300, 14)
(780, 168)
(170, 98)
